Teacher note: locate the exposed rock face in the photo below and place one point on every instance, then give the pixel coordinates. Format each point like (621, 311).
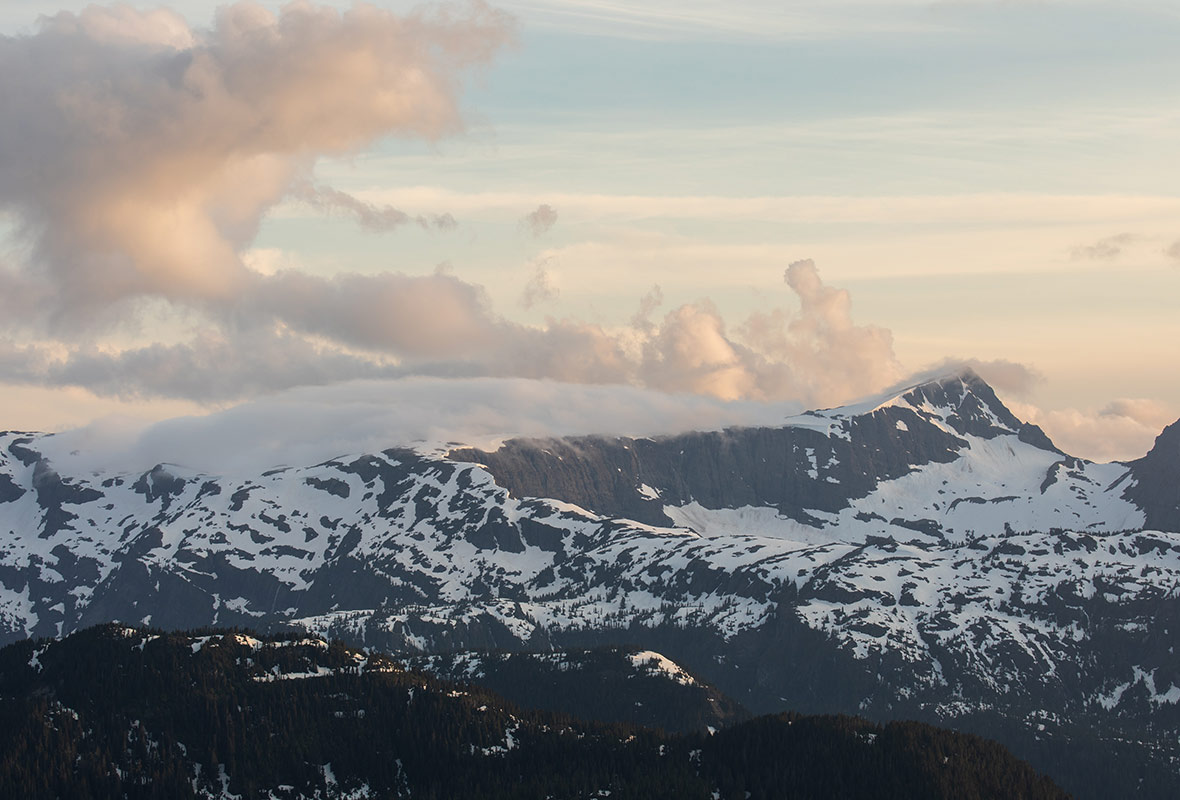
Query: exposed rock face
(821, 468)
(766, 467)
(1155, 484)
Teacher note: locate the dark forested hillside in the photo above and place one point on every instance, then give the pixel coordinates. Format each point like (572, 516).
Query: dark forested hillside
(117, 712)
(608, 684)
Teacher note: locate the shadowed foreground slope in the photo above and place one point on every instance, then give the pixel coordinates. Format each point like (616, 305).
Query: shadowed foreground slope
(116, 712)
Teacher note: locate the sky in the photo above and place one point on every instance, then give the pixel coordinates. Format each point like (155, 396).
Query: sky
(680, 213)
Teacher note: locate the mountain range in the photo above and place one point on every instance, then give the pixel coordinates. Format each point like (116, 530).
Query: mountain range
(924, 554)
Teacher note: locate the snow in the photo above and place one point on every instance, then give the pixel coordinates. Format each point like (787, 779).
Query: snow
(1110, 700)
(656, 664)
(35, 659)
(724, 523)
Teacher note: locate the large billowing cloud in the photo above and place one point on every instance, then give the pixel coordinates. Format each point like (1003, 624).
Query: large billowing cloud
(140, 155)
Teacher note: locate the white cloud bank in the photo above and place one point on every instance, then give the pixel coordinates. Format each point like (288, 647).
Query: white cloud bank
(312, 424)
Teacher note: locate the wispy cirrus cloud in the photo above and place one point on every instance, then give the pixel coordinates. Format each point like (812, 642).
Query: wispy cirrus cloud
(707, 19)
(370, 217)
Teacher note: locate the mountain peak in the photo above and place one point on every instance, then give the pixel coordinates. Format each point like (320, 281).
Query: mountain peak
(962, 399)
(1157, 475)
(963, 375)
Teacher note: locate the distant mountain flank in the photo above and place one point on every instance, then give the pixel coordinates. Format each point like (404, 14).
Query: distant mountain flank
(922, 554)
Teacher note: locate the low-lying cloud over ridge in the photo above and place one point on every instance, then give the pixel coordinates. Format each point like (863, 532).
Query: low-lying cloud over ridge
(311, 424)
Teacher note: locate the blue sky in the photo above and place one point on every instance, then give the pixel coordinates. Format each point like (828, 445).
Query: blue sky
(987, 180)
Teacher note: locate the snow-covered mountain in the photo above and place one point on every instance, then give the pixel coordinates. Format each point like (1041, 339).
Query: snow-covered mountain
(940, 462)
(923, 553)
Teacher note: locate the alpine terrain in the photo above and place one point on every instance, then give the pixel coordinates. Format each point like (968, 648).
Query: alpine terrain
(923, 555)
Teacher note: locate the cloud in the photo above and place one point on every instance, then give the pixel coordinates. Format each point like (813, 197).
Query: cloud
(212, 368)
(820, 353)
(291, 328)
(1122, 431)
(1173, 250)
(312, 424)
(371, 218)
(1107, 249)
(541, 287)
(139, 155)
(641, 321)
(1006, 377)
(541, 220)
(1146, 412)
(412, 317)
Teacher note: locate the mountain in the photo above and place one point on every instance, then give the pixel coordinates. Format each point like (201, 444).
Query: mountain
(924, 554)
(116, 712)
(940, 462)
(1153, 484)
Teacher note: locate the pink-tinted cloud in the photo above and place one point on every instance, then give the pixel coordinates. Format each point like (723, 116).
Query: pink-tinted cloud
(1007, 377)
(1123, 430)
(139, 155)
